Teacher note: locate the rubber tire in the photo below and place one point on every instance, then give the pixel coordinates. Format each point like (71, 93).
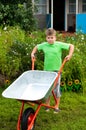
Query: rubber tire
(24, 121)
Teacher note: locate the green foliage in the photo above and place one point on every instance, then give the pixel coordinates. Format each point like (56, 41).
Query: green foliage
(9, 65)
(25, 18)
(75, 68)
(15, 13)
(16, 47)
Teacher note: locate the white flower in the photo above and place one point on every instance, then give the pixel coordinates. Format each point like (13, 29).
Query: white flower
(82, 37)
(5, 28)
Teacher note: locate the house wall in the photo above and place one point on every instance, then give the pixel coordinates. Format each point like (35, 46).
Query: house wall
(41, 19)
(72, 21)
(81, 23)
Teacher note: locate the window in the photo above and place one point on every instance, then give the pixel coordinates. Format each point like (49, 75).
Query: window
(84, 6)
(72, 6)
(40, 7)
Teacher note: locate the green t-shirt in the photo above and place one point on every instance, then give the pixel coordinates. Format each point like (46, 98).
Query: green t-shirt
(52, 54)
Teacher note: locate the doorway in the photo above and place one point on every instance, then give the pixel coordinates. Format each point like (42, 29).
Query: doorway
(59, 15)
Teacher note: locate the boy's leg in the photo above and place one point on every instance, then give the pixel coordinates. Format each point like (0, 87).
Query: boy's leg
(58, 95)
(58, 102)
(48, 101)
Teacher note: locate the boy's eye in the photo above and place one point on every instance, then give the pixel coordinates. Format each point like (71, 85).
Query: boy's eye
(50, 37)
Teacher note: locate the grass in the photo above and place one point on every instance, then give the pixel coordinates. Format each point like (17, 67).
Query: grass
(71, 117)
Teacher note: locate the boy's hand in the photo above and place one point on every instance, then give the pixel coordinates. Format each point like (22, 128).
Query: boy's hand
(71, 50)
(68, 57)
(34, 52)
(32, 55)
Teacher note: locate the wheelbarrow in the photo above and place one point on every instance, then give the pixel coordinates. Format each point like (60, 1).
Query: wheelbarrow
(32, 87)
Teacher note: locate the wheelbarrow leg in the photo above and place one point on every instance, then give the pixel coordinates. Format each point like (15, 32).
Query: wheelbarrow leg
(20, 116)
(55, 98)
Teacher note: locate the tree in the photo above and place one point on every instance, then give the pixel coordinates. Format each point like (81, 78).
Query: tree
(15, 13)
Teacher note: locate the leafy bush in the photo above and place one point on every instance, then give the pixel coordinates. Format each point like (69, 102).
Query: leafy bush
(16, 47)
(7, 37)
(75, 68)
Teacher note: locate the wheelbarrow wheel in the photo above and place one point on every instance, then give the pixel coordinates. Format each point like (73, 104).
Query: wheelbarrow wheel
(27, 118)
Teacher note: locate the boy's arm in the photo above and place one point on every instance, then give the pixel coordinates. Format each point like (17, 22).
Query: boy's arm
(71, 50)
(33, 52)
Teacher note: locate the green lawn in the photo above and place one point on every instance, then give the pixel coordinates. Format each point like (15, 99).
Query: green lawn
(71, 117)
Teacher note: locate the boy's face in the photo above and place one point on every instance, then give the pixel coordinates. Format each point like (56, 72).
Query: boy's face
(51, 39)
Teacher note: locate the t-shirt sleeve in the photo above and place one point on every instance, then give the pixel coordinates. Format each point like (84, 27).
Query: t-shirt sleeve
(40, 46)
(64, 46)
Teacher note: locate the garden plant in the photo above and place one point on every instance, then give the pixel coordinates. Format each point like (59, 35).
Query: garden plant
(16, 47)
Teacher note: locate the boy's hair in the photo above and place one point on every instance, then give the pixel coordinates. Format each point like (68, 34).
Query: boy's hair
(50, 31)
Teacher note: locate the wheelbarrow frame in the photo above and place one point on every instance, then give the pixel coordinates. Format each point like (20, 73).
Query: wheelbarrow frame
(38, 103)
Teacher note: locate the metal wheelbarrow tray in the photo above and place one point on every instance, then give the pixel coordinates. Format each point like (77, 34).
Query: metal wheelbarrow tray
(31, 85)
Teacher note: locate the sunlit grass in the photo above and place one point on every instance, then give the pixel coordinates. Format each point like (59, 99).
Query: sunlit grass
(71, 117)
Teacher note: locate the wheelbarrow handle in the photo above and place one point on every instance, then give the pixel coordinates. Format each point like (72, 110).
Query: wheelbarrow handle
(63, 63)
(59, 72)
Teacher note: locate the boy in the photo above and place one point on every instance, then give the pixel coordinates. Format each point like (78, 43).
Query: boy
(52, 50)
